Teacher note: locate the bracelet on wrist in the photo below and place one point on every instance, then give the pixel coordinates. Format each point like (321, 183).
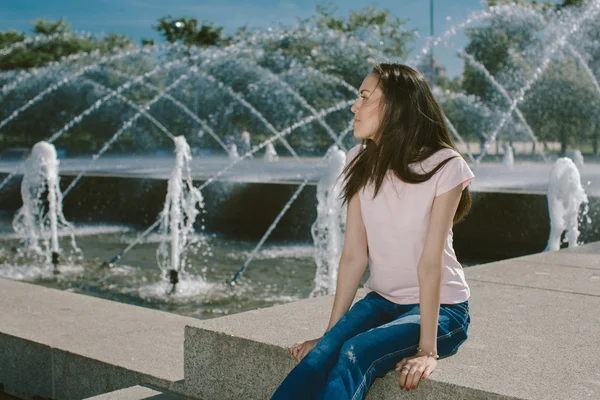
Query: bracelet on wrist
(430, 354)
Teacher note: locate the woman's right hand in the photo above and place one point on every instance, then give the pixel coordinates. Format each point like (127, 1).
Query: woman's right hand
(300, 349)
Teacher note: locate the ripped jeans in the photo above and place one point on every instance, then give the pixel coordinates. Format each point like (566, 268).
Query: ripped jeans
(366, 343)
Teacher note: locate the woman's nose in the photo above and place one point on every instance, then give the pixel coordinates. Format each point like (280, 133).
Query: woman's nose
(353, 108)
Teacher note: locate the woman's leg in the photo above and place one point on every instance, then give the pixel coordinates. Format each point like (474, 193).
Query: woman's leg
(375, 352)
(307, 379)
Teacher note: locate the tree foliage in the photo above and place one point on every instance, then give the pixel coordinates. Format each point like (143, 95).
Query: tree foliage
(376, 27)
(561, 107)
(510, 45)
(189, 32)
(56, 40)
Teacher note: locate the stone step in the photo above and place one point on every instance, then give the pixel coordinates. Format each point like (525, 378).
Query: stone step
(533, 335)
(60, 345)
(137, 393)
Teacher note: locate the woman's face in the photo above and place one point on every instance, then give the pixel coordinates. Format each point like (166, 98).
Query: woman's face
(366, 109)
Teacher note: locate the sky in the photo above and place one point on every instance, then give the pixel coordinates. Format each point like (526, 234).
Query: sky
(135, 18)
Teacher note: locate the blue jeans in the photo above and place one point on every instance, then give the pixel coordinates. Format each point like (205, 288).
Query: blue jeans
(366, 343)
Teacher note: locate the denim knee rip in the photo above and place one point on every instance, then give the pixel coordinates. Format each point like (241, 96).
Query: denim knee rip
(364, 380)
(351, 355)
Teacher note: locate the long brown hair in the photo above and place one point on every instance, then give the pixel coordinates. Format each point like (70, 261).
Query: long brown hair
(412, 129)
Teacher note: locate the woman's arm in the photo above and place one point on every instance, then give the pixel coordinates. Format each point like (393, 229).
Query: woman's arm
(431, 265)
(353, 262)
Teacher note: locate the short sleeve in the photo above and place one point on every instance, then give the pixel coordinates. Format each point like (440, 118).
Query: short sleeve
(455, 172)
(351, 155)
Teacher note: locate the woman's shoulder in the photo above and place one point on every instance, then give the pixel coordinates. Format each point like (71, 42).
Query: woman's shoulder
(435, 159)
(352, 153)
(444, 154)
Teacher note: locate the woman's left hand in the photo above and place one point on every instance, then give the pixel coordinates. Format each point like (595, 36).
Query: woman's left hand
(420, 366)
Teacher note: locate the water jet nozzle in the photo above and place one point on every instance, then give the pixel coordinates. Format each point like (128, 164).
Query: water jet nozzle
(111, 263)
(55, 261)
(174, 279)
(173, 276)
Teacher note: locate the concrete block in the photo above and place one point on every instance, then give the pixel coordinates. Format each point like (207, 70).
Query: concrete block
(587, 256)
(247, 369)
(78, 377)
(137, 393)
(388, 389)
(529, 343)
(539, 275)
(245, 355)
(232, 368)
(110, 332)
(25, 368)
(532, 336)
(89, 345)
(131, 393)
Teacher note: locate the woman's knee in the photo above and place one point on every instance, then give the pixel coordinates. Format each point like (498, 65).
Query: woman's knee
(448, 344)
(452, 331)
(453, 316)
(449, 341)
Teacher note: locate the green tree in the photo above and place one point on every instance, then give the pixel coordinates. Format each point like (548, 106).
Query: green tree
(543, 5)
(11, 37)
(188, 31)
(59, 42)
(563, 106)
(507, 45)
(377, 27)
(446, 83)
(491, 44)
(570, 3)
(342, 46)
(47, 27)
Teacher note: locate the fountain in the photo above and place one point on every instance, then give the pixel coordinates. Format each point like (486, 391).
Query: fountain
(144, 100)
(270, 153)
(576, 157)
(41, 217)
(565, 197)
(328, 230)
(481, 68)
(178, 216)
(571, 24)
(232, 151)
(508, 160)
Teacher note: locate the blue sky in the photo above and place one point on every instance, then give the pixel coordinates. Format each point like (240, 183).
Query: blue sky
(135, 18)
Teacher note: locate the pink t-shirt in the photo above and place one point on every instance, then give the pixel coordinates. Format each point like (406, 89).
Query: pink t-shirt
(396, 222)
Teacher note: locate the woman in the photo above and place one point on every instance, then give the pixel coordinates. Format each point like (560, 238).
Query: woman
(405, 187)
